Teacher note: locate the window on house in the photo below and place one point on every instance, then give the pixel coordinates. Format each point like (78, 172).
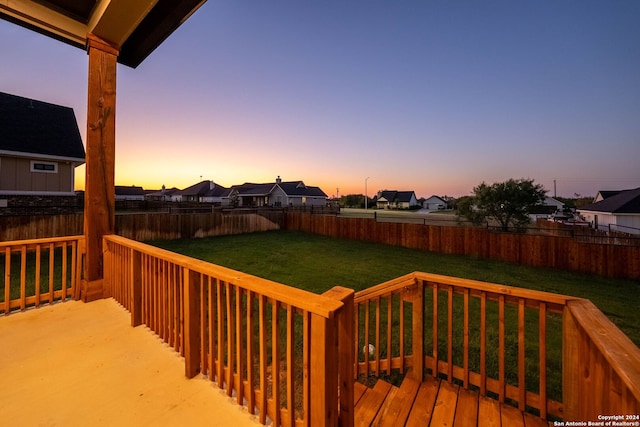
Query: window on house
(47, 167)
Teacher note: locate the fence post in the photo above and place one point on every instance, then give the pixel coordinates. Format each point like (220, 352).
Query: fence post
(345, 336)
(571, 383)
(191, 329)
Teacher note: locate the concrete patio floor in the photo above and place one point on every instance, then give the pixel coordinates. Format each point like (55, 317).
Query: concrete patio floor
(76, 364)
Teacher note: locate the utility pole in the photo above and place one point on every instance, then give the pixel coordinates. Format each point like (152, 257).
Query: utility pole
(365, 193)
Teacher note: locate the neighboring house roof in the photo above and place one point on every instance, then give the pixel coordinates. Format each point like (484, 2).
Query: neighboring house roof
(298, 188)
(625, 201)
(605, 194)
(290, 188)
(253, 189)
(132, 190)
(394, 196)
(164, 192)
(204, 189)
(40, 128)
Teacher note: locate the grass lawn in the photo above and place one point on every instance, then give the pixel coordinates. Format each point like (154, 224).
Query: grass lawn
(317, 263)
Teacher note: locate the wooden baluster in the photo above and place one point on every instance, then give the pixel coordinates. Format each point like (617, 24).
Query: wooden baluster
(250, 350)
(23, 277)
(291, 368)
(483, 343)
(450, 333)
(465, 363)
(239, 349)
(501, 349)
(37, 274)
(275, 361)
(191, 322)
(542, 358)
(262, 405)
(7, 280)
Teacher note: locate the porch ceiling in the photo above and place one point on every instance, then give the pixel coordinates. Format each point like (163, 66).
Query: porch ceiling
(137, 27)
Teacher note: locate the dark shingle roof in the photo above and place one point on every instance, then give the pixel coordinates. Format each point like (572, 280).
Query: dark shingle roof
(393, 196)
(298, 188)
(37, 127)
(253, 189)
(626, 201)
(203, 189)
(131, 190)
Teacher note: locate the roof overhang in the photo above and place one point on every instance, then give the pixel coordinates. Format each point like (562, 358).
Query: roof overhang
(41, 156)
(137, 27)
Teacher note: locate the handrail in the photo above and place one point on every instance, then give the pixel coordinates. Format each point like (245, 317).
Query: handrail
(30, 281)
(284, 355)
(594, 364)
(278, 350)
(309, 301)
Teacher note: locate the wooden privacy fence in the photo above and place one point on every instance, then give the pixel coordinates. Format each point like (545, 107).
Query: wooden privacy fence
(556, 354)
(144, 226)
(566, 253)
(39, 271)
(280, 351)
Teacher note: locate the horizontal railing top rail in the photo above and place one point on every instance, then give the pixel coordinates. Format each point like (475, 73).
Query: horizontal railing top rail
(305, 300)
(35, 242)
(473, 285)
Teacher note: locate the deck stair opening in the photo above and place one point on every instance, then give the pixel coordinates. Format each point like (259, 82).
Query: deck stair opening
(433, 403)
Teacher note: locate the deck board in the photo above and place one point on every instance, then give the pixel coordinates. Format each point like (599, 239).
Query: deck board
(467, 409)
(368, 406)
(400, 408)
(445, 408)
(423, 405)
(434, 403)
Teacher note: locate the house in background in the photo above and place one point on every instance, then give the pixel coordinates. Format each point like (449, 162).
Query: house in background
(393, 199)
(434, 203)
(277, 194)
(130, 192)
(546, 209)
(40, 147)
(203, 192)
(614, 210)
(163, 195)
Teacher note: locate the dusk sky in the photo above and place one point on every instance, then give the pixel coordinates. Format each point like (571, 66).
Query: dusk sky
(430, 96)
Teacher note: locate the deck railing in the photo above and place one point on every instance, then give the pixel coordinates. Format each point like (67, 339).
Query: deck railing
(274, 348)
(39, 271)
(551, 353)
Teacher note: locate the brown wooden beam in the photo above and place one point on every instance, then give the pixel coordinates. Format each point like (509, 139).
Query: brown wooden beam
(99, 203)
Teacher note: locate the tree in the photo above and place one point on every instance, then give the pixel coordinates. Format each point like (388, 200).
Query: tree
(508, 203)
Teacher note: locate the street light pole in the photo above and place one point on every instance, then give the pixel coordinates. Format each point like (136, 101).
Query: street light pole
(365, 193)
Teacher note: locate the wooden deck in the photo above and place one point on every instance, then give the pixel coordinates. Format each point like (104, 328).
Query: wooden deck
(76, 364)
(434, 403)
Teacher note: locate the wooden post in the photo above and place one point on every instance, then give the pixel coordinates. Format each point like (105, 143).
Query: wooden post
(571, 382)
(323, 372)
(99, 201)
(346, 352)
(191, 329)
